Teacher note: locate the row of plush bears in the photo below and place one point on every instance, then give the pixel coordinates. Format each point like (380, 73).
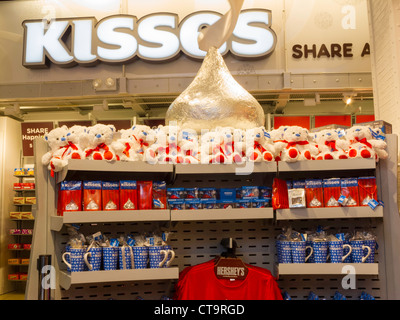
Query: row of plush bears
(170, 144)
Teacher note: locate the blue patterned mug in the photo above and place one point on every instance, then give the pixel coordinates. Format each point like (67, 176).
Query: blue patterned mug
(170, 256)
(336, 251)
(110, 258)
(157, 256)
(320, 251)
(357, 253)
(284, 251)
(141, 256)
(76, 262)
(299, 251)
(93, 258)
(126, 259)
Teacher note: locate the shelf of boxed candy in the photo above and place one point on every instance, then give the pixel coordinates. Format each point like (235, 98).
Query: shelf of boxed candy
(331, 198)
(129, 200)
(110, 201)
(21, 202)
(247, 202)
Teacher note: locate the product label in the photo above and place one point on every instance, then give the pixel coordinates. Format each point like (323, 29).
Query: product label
(71, 185)
(110, 185)
(128, 184)
(94, 185)
(330, 183)
(313, 183)
(349, 182)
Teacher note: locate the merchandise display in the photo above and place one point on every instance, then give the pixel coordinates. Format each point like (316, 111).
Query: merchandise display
(322, 247)
(224, 145)
(219, 198)
(23, 232)
(111, 195)
(330, 192)
(98, 252)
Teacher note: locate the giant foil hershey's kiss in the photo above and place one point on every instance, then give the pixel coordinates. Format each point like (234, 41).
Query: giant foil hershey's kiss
(215, 99)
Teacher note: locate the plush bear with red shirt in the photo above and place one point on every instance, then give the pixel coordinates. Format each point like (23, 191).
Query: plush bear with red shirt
(100, 139)
(296, 145)
(330, 146)
(56, 158)
(362, 144)
(76, 142)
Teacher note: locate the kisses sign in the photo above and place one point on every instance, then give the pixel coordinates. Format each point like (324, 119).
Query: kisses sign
(155, 37)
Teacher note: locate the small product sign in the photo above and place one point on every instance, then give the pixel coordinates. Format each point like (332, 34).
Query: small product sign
(32, 130)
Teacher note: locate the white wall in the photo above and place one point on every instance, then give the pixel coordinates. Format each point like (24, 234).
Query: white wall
(384, 18)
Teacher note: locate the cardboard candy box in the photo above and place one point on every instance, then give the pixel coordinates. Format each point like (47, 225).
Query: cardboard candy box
(110, 195)
(128, 195)
(92, 195)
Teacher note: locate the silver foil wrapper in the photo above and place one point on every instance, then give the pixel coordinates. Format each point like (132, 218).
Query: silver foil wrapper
(215, 99)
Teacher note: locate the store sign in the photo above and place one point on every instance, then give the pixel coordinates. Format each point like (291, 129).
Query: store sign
(155, 37)
(32, 130)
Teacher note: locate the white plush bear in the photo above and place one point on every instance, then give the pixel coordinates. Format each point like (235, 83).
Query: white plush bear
(143, 137)
(76, 138)
(379, 135)
(297, 146)
(189, 145)
(330, 146)
(224, 150)
(276, 136)
(362, 144)
(210, 143)
(258, 146)
(126, 147)
(239, 140)
(101, 137)
(55, 158)
(168, 149)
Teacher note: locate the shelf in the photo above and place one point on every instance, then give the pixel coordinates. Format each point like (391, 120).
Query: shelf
(327, 165)
(329, 213)
(70, 278)
(327, 268)
(121, 170)
(108, 216)
(222, 214)
(215, 168)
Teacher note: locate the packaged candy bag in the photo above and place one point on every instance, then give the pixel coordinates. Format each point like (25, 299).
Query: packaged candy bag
(349, 192)
(69, 197)
(128, 195)
(145, 193)
(279, 194)
(367, 191)
(110, 195)
(314, 193)
(159, 195)
(91, 195)
(331, 192)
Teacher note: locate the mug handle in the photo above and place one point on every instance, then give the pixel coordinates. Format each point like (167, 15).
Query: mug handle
(350, 249)
(172, 257)
(132, 257)
(86, 260)
(65, 261)
(165, 253)
(311, 252)
(369, 252)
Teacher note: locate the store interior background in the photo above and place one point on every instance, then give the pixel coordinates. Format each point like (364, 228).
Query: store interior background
(309, 91)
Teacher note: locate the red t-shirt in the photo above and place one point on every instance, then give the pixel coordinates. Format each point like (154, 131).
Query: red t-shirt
(200, 283)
